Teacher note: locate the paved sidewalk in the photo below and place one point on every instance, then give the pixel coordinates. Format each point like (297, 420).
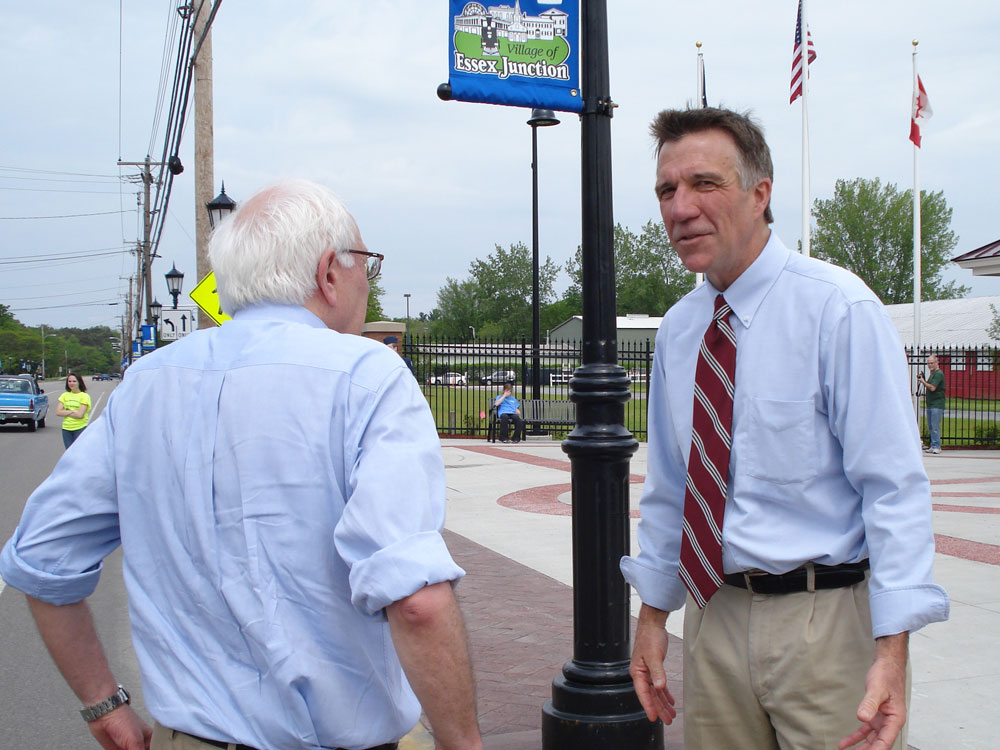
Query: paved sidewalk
(509, 526)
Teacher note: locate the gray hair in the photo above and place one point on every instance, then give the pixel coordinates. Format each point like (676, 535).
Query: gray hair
(269, 249)
(754, 162)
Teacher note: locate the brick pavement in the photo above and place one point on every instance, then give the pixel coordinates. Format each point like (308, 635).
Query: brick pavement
(520, 625)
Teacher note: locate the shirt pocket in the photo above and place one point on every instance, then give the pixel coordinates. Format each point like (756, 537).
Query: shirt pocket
(781, 441)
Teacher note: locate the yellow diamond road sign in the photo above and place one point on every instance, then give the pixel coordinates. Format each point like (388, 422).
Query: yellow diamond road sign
(206, 296)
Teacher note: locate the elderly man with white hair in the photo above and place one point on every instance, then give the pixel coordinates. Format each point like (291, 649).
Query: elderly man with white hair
(278, 491)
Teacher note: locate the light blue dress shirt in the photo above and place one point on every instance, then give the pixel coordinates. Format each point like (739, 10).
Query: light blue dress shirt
(274, 485)
(826, 462)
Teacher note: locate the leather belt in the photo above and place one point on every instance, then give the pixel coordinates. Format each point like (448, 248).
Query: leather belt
(225, 745)
(824, 577)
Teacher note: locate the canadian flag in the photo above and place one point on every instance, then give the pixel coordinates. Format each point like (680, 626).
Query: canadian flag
(922, 112)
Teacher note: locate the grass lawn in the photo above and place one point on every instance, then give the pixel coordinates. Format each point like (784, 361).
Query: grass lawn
(471, 407)
(955, 432)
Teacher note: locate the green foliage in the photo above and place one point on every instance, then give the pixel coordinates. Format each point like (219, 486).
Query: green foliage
(649, 277)
(867, 228)
(6, 316)
(993, 329)
(375, 294)
(84, 350)
(496, 298)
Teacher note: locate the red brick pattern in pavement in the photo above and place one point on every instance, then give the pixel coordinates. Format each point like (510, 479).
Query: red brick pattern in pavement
(520, 625)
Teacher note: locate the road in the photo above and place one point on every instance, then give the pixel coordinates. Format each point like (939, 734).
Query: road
(39, 711)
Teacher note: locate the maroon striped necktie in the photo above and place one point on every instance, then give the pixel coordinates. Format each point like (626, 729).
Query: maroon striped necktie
(708, 463)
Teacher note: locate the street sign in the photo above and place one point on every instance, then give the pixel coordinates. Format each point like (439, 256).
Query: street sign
(206, 296)
(176, 324)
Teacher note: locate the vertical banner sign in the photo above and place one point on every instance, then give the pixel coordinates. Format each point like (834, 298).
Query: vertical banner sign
(525, 55)
(148, 338)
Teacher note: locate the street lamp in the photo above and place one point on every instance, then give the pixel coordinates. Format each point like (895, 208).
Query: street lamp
(540, 118)
(175, 280)
(473, 329)
(407, 295)
(155, 310)
(45, 336)
(220, 207)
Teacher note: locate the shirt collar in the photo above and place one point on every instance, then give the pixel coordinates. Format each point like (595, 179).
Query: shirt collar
(746, 294)
(278, 312)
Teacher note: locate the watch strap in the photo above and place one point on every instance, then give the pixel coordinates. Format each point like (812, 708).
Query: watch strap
(120, 698)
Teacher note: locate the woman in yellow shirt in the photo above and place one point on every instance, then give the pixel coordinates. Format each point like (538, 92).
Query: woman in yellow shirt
(74, 407)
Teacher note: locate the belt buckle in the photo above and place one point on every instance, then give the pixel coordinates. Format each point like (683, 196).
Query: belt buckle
(748, 575)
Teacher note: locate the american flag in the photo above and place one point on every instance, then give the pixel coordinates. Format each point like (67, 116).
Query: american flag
(797, 72)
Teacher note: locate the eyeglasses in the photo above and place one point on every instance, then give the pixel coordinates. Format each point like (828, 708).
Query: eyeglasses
(373, 263)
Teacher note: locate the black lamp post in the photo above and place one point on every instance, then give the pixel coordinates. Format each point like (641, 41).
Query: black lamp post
(540, 118)
(220, 207)
(407, 296)
(156, 310)
(594, 706)
(175, 280)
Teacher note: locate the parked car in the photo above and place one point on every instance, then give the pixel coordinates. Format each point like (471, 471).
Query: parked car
(100, 376)
(499, 377)
(115, 376)
(21, 400)
(448, 378)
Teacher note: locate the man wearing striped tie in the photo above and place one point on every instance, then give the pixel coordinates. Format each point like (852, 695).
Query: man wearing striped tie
(785, 500)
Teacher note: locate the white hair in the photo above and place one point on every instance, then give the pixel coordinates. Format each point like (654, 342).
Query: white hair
(269, 249)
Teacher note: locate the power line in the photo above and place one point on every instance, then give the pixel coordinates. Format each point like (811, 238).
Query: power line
(67, 294)
(59, 307)
(62, 190)
(69, 255)
(63, 216)
(53, 171)
(57, 179)
(19, 287)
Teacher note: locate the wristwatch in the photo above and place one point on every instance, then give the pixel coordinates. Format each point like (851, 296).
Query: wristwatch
(120, 698)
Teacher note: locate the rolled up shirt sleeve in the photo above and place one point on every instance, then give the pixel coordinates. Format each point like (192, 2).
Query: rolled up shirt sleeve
(69, 525)
(390, 530)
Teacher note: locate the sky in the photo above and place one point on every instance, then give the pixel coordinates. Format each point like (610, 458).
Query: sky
(344, 94)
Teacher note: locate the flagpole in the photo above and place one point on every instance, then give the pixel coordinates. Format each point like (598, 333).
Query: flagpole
(917, 273)
(805, 133)
(700, 89)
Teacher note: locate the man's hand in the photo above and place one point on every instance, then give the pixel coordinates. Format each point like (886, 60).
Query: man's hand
(121, 729)
(882, 712)
(646, 668)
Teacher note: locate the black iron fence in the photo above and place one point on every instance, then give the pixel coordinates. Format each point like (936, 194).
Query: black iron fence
(461, 379)
(972, 394)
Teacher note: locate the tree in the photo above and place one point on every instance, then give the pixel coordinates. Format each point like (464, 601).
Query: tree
(456, 310)
(375, 294)
(6, 316)
(993, 329)
(867, 228)
(649, 276)
(496, 299)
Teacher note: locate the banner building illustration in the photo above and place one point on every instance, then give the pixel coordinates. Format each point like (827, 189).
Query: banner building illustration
(524, 55)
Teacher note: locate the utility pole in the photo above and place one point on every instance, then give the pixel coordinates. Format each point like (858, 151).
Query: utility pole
(204, 138)
(144, 291)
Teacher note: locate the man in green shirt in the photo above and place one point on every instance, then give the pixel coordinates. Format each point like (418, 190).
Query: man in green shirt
(935, 402)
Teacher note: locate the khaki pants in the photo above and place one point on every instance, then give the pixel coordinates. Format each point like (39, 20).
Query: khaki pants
(777, 672)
